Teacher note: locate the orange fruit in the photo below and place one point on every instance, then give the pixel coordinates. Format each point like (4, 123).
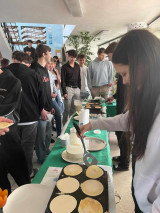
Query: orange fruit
(1, 202)
(3, 197)
(4, 200)
(5, 192)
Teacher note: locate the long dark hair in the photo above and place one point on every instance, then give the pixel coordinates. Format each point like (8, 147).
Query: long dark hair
(140, 50)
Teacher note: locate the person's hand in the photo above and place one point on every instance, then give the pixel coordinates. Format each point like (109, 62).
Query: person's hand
(58, 76)
(54, 95)
(115, 82)
(110, 99)
(5, 130)
(85, 128)
(52, 111)
(44, 115)
(110, 85)
(66, 96)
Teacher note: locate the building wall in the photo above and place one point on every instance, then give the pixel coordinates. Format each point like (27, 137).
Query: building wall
(54, 34)
(5, 49)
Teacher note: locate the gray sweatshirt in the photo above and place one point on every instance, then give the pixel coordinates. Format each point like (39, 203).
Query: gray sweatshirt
(100, 73)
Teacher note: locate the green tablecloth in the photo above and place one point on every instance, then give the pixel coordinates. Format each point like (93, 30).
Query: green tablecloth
(54, 159)
(111, 109)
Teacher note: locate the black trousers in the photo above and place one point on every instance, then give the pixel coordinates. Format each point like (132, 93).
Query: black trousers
(12, 160)
(124, 147)
(27, 135)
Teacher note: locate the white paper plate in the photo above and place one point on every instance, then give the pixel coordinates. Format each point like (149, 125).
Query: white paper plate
(95, 144)
(65, 157)
(97, 131)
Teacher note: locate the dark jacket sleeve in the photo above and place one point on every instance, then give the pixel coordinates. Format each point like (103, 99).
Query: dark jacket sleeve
(10, 107)
(18, 102)
(63, 83)
(40, 92)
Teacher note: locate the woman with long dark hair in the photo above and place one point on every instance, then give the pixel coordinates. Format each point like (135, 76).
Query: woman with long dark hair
(137, 60)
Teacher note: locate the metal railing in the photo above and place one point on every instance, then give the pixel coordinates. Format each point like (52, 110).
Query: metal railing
(11, 37)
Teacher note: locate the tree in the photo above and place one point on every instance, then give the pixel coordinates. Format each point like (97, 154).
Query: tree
(82, 44)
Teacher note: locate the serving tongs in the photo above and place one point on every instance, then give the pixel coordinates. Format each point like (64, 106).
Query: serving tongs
(86, 155)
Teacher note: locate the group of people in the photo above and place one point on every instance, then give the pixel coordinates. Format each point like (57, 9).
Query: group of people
(30, 92)
(81, 82)
(27, 99)
(36, 96)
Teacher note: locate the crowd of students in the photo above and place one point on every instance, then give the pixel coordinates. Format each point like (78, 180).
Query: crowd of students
(31, 91)
(39, 81)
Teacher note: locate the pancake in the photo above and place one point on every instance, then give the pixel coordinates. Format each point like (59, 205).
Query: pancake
(4, 125)
(72, 170)
(92, 187)
(97, 107)
(88, 107)
(63, 203)
(94, 172)
(67, 185)
(90, 205)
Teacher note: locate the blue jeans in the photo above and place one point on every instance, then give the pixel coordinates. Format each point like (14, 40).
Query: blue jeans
(43, 139)
(57, 116)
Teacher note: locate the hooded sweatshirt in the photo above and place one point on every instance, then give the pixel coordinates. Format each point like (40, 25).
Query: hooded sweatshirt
(32, 92)
(100, 73)
(10, 95)
(44, 77)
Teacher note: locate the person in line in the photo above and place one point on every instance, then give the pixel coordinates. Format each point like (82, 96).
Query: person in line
(57, 76)
(44, 129)
(100, 75)
(12, 156)
(71, 84)
(85, 93)
(19, 57)
(4, 62)
(57, 115)
(31, 107)
(124, 158)
(31, 49)
(13, 56)
(38, 42)
(28, 52)
(137, 60)
(58, 64)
